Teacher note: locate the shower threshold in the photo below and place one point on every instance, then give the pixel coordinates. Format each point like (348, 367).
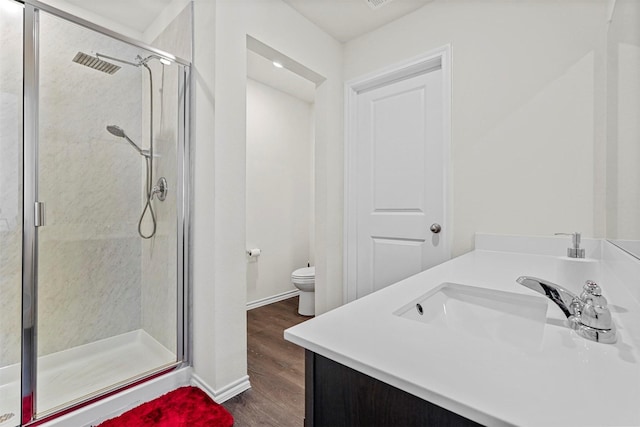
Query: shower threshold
(86, 371)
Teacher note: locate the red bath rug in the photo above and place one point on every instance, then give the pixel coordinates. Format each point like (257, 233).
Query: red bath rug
(184, 407)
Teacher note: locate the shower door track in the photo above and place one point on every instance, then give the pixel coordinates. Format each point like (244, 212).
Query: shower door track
(32, 220)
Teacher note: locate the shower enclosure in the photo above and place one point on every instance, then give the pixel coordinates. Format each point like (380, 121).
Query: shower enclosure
(93, 212)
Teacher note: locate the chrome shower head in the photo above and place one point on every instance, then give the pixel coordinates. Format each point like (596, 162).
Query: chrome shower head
(95, 63)
(119, 132)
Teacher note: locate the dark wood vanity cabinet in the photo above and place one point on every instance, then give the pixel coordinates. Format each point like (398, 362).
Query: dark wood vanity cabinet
(340, 396)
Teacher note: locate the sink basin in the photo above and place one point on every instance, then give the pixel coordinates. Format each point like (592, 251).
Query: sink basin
(509, 318)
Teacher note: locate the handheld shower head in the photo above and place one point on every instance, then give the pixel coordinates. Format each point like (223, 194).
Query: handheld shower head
(116, 131)
(119, 132)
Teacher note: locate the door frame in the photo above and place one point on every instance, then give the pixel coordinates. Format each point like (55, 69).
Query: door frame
(439, 58)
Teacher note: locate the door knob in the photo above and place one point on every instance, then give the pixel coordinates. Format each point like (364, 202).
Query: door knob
(435, 228)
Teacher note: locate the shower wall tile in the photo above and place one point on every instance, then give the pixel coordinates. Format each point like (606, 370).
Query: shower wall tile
(176, 38)
(90, 290)
(10, 296)
(89, 251)
(159, 295)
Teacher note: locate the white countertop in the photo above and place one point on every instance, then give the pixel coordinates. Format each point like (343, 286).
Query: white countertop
(560, 380)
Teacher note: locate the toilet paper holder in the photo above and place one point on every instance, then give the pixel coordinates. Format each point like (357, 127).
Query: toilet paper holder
(254, 253)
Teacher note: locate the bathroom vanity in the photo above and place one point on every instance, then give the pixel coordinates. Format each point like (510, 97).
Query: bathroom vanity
(464, 344)
(337, 395)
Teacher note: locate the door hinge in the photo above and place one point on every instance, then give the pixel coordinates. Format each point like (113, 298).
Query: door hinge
(38, 214)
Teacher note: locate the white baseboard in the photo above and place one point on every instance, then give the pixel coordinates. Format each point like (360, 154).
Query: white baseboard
(119, 403)
(275, 298)
(225, 393)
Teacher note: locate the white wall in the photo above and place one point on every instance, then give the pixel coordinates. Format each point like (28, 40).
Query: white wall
(278, 188)
(527, 85)
(219, 270)
(209, 353)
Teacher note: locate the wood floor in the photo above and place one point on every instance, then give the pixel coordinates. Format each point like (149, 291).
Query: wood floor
(276, 370)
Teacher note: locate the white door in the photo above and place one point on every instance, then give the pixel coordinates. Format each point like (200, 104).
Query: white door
(400, 181)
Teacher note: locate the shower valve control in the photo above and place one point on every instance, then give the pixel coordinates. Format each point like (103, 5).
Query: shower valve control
(160, 189)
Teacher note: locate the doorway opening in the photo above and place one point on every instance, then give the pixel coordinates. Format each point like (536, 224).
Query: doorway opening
(280, 180)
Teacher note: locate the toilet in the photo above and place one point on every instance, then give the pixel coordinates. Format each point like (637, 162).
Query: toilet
(305, 280)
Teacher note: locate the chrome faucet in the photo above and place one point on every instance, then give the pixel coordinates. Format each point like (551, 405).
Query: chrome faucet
(587, 314)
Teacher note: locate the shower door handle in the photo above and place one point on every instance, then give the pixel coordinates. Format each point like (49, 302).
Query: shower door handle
(38, 214)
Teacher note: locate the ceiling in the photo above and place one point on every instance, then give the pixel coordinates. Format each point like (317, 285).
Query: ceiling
(345, 20)
(342, 19)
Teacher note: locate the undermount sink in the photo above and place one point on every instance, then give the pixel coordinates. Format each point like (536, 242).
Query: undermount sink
(509, 318)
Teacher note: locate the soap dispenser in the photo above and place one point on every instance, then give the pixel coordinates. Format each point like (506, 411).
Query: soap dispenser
(575, 251)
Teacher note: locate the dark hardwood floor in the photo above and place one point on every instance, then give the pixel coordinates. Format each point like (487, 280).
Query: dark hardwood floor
(276, 370)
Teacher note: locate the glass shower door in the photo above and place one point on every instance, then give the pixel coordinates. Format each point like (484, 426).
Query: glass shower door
(106, 255)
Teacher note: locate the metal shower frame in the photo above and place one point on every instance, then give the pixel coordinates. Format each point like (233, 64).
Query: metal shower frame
(32, 214)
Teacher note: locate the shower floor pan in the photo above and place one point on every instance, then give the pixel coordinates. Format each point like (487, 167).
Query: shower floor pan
(9, 407)
(78, 373)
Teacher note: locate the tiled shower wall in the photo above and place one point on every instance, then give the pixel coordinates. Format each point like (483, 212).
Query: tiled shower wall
(91, 182)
